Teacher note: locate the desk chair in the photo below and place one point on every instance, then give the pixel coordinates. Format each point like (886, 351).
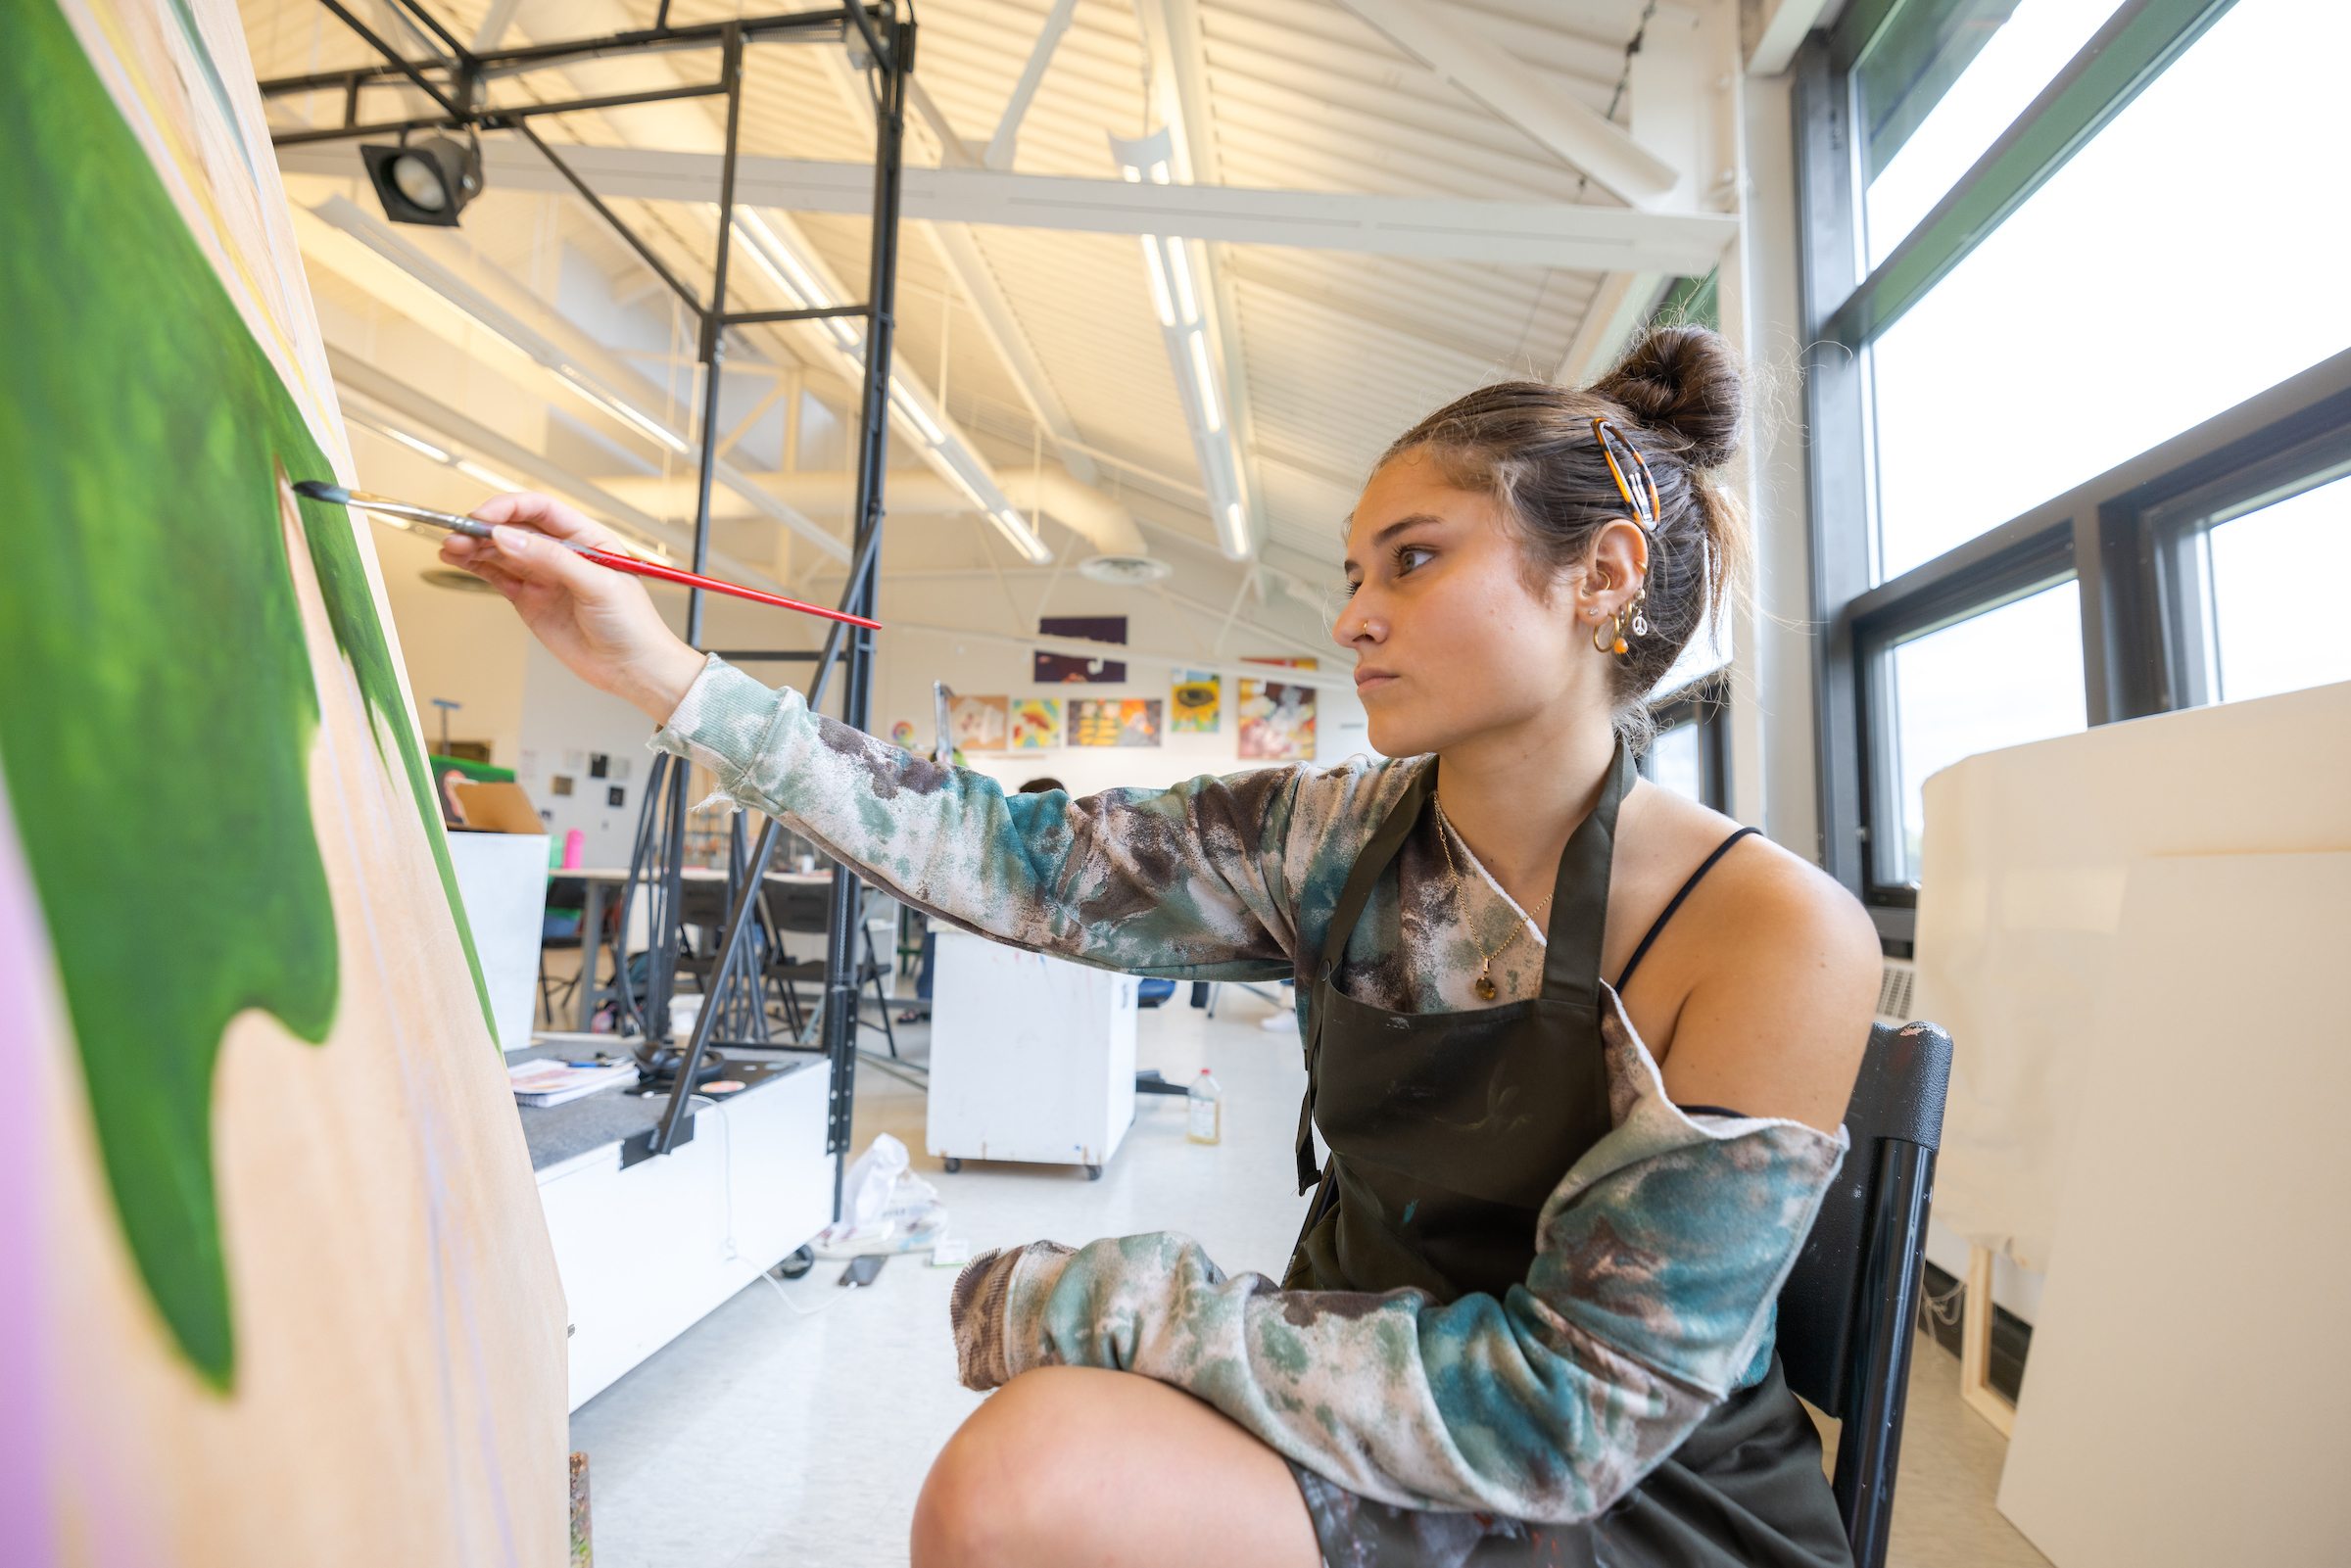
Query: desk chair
(1850, 1305)
(807, 908)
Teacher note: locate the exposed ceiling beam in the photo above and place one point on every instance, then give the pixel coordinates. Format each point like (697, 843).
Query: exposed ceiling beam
(1180, 100)
(960, 255)
(1448, 41)
(420, 413)
(1001, 145)
(1560, 234)
(1622, 302)
(1773, 29)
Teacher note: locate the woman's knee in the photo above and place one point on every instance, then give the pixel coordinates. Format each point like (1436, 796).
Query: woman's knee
(997, 1488)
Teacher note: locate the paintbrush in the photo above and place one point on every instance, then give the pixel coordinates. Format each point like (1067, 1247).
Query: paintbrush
(362, 500)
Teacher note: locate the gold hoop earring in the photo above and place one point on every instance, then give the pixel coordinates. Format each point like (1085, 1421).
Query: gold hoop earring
(1607, 638)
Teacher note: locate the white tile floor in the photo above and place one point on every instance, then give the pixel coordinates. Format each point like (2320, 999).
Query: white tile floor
(794, 1424)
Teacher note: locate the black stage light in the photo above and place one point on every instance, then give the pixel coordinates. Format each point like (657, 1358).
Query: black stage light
(428, 181)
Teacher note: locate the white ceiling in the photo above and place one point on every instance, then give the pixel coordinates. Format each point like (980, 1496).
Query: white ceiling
(1335, 351)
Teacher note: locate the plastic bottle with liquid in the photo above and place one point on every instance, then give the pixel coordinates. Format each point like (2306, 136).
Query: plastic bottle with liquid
(1205, 1101)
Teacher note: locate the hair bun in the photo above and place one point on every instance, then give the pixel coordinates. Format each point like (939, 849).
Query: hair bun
(1682, 382)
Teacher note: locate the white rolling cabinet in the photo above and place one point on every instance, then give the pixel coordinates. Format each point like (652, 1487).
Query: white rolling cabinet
(1031, 1058)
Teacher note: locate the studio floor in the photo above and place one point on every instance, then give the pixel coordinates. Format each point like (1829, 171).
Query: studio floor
(793, 1425)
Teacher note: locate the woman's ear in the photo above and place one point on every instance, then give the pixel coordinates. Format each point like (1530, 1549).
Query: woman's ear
(1616, 566)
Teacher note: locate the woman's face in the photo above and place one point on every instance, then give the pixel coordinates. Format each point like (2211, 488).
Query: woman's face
(1450, 643)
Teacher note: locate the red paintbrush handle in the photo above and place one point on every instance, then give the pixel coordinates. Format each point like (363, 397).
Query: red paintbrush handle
(671, 574)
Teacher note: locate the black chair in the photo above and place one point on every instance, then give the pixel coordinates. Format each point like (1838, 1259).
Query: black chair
(562, 893)
(1850, 1305)
(807, 909)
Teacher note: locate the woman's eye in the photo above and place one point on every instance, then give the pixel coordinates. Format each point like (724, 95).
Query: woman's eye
(1403, 550)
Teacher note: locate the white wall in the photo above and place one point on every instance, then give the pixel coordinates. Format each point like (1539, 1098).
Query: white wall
(907, 662)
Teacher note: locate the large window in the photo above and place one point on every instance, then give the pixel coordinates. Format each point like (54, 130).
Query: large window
(1996, 678)
(2256, 570)
(2180, 263)
(2081, 409)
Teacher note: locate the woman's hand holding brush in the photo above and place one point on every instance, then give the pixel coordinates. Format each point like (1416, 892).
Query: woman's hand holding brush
(601, 624)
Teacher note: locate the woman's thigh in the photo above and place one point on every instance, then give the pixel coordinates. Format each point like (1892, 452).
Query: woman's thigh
(1068, 1465)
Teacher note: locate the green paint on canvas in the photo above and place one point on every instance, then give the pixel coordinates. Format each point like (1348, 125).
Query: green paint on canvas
(158, 708)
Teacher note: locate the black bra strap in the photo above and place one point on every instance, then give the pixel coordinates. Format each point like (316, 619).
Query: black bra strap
(1704, 867)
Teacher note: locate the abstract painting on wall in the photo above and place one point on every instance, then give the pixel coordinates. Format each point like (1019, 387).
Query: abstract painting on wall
(1058, 669)
(1277, 718)
(1195, 706)
(1036, 724)
(1114, 722)
(979, 723)
(280, 1289)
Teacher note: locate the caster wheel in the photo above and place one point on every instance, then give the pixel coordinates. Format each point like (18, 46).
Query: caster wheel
(797, 1264)
(953, 1165)
(1094, 1173)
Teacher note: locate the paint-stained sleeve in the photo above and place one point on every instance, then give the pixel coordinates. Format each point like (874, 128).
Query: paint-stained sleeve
(1658, 1262)
(1187, 883)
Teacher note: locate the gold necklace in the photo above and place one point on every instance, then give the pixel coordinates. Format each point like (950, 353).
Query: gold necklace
(1485, 970)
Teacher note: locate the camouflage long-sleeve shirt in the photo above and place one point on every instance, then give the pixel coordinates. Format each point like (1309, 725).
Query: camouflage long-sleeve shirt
(1658, 1258)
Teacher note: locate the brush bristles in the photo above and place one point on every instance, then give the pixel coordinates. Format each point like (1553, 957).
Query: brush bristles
(321, 490)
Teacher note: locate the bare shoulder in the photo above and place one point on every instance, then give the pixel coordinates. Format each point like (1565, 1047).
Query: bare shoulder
(1778, 981)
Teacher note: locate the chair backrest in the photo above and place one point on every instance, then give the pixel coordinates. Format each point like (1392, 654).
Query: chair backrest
(1850, 1304)
(803, 907)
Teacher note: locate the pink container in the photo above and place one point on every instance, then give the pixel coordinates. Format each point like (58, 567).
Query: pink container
(575, 850)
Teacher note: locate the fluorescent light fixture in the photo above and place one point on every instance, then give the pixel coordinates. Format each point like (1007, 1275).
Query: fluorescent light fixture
(913, 411)
(621, 411)
(1132, 174)
(780, 261)
(1159, 173)
(971, 492)
(1159, 281)
(488, 476)
(1237, 528)
(1205, 380)
(1188, 303)
(1009, 523)
(414, 444)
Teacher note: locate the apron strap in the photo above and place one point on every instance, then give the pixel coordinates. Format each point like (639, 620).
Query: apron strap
(1571, 959)
(1368, 864)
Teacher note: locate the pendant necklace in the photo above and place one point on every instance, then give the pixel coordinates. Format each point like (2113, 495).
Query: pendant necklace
(1484, 985)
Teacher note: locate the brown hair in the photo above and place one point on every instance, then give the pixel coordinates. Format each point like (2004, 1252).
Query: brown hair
(1677, 396)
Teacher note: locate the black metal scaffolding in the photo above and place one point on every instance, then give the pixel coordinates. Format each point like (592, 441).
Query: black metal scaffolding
(456, 81)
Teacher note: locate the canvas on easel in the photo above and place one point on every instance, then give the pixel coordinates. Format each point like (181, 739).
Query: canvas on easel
(280, 1289)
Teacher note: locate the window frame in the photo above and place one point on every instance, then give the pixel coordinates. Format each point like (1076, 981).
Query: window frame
(1705, 703)
(2106, 532)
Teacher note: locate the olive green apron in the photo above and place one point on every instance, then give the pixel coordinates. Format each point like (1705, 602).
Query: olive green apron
(1446, 1132)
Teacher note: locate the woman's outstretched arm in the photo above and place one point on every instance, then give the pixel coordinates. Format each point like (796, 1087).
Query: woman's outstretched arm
(1188, 882)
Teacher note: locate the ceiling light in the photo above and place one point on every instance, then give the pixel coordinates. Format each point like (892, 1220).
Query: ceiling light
(412, 443)
(428, 181)
(1206, 381)
(1188, 303)
(1237, 529)
(623, 411)
(488, 476)
(1022, 538)
(913, 411)
(1159, 281)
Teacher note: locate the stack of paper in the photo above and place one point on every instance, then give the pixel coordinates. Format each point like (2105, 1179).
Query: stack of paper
(547, 1081)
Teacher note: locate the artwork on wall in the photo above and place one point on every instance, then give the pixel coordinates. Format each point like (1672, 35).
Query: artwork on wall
(270, 1208)
(1196, 705)
(1036, 724)
(979, 723)
(1114, 722)
(1056, 669)
(1277, 718)
(901, 735)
